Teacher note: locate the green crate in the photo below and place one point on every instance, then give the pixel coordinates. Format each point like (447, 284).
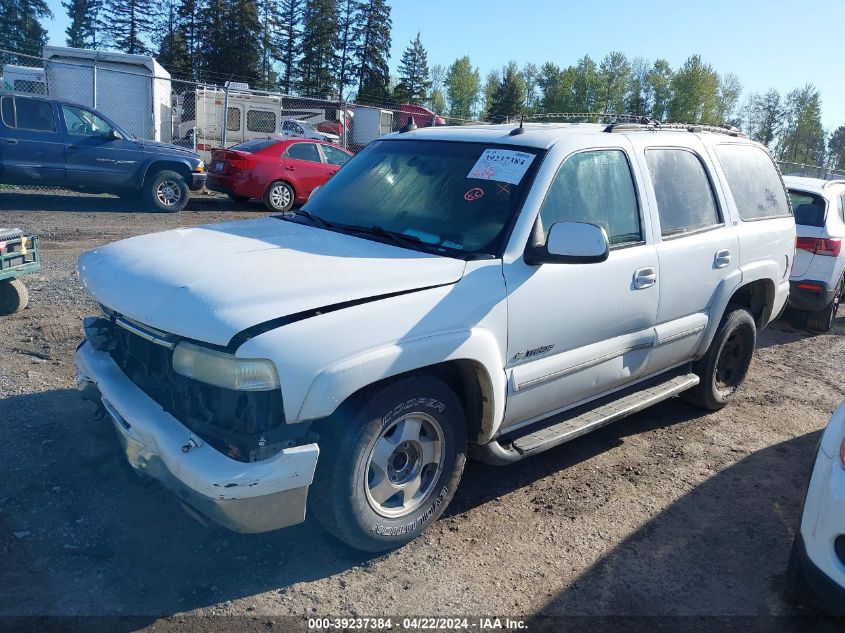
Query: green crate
(19, 254)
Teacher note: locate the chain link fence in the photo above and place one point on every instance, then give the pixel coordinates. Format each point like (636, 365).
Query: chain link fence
(810, 171)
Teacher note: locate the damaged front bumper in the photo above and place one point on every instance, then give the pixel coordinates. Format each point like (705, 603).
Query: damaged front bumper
(244, 497)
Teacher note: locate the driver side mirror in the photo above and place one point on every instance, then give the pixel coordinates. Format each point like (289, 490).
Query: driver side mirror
(113, 135)
(571, 243)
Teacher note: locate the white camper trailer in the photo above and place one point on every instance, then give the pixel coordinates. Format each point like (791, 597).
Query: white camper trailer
(134, 90)
(24, 79)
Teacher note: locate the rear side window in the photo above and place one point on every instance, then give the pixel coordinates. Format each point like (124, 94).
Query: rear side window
(304, 151)
(595, 187)
(809, 209)
(685, 201)
(334, 156)
(28, 114)
(754, 182)
(258, 121)
(255, 145)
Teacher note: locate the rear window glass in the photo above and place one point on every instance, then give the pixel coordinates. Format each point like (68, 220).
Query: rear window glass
(255, 145)
(754, 182)
(809, 209)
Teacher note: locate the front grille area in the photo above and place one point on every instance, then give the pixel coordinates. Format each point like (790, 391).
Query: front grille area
(245, 425)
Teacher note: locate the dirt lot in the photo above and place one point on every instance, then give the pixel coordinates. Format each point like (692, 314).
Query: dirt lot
(668, 512)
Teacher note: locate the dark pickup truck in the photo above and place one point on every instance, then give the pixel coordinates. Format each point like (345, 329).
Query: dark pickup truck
(47, 142)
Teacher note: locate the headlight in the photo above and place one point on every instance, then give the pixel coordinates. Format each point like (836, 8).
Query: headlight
(224, 370)
(200, 167)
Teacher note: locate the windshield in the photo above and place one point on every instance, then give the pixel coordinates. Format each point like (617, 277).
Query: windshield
(809, 209)
(449, 196)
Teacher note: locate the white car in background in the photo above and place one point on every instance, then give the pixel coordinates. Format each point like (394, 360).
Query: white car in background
(306, 130)
(817, 564)
(816, 282)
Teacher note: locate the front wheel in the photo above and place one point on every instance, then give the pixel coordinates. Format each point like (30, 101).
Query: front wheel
(279, 196)
(723, 368)
(388, 469)
(166, 191)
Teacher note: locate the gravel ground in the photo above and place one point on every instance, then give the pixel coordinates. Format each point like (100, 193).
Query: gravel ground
(669, 512)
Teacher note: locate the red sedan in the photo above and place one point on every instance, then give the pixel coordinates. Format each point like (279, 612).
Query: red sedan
(279, 171)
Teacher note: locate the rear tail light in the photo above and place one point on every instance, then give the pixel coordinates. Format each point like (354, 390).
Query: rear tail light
(241, 163)
(819, 245)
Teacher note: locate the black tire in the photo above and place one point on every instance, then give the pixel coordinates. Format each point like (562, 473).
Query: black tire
(343, 495)
(238, 198)
(279, 196)
(724, 366)
(166, 191)
(822, 320)
(796, 585)
(13, 296)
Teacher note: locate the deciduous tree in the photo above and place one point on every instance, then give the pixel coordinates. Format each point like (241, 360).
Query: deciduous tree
(462, 84)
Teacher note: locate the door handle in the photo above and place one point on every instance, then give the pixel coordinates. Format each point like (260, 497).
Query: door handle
(722, 258)
(11, 141)
(644, 277)
(290, 168)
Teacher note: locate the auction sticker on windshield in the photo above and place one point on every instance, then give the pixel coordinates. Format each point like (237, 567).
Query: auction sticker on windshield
(502, 165)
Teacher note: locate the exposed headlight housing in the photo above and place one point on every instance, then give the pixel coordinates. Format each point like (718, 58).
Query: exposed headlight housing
(224, 370)
(200, 167)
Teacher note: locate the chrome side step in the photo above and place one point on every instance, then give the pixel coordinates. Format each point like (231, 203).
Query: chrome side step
(575, 423)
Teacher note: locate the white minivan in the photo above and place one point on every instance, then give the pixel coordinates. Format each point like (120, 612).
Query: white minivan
(817, 281)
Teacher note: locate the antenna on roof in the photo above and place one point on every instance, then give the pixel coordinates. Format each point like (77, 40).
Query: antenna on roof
(519, 130)
(410, 126)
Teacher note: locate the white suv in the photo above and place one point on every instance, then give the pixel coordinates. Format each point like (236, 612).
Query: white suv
(818, 272)
(490, 289)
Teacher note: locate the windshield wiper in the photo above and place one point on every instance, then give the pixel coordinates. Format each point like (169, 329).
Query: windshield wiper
(315, 219)
(399, 238)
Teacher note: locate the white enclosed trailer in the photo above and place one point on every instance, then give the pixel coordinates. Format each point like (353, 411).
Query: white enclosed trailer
(369, 124)
(133, 90)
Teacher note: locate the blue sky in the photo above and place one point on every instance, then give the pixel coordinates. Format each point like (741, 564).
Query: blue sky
(767, 43)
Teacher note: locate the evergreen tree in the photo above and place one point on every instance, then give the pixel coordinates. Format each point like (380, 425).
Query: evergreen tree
(462, 84)
(346, 43)
(318, 54)
(491, 85)
(270, 21)
(414, 76)
(129, 22)
(213, 41)
(612, 83)
(637, 93)
(763, 117)
(729, 91)
(373, 51)
(172, 51)
(836, 148)
(585, 88)
(190, 14)
(83, 27)
(289, 41)
(695, 93)
(659, 80)
(509, 99)
(20, 27)
(244, 57)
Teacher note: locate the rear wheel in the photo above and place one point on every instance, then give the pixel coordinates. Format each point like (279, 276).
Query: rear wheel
(822, 320)
(389, 467)
(166, 191)
(13, 296)
(723, 368)
(279, 196)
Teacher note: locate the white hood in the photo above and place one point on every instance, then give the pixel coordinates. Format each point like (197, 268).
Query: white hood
(210, 282)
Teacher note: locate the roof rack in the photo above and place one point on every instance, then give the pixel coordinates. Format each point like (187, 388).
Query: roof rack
(633, 122)
(657, 126)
